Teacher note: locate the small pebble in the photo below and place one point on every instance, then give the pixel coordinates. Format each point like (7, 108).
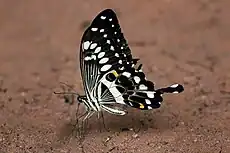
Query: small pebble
(135, 135)
(107, 139)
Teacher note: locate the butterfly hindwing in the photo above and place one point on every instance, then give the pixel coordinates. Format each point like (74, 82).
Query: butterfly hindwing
(137, 91)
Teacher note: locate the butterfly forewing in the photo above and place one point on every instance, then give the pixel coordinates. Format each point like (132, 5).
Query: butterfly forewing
(102, 48)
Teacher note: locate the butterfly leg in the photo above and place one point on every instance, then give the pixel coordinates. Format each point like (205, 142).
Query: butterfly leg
(85, 121)
(78, 118)
(103, 121)
(76, 115)
(79, 126)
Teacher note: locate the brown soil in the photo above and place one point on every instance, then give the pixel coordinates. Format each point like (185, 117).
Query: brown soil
(184, 41)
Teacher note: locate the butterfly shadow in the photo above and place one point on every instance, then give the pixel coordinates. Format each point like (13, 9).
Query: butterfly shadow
(135, 120)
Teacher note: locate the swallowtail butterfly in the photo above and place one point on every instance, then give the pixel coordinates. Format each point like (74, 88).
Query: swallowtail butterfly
(110, 74)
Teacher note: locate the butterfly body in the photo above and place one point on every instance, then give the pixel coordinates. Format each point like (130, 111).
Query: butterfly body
(110, 74)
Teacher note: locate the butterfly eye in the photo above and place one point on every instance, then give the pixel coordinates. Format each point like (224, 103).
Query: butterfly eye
(111, 77)
(80, 99)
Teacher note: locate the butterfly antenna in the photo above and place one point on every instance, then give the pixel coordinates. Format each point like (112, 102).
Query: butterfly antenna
(67, 85)
(66, 93)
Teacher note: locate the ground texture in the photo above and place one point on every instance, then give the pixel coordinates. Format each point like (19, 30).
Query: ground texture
(184, 41)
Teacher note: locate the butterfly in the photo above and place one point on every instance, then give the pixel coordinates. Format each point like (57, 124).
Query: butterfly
(111, 76)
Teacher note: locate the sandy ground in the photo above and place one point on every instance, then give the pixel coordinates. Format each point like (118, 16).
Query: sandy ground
(184, 41)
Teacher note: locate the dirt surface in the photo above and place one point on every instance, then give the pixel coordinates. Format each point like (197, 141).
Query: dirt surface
(184, 41)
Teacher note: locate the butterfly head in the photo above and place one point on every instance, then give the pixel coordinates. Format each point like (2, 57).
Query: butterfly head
(81, 99)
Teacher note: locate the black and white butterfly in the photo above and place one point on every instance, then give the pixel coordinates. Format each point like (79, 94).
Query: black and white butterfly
(110, 74)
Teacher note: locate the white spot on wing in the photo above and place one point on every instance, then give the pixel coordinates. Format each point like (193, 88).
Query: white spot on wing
(102, 30)
(87, 58)
(97, 50)
(106, 67)
(111, 48)
(103, 60)
(120, 61)
(103, 17)
(94, 29)
(116, 54)
(110, 19)
(108, 41)
(112, 25)
(149, 107)
(101, 54)
(137, 79)
(105, 35)
(143, 87)
(148, 101)
(127, 74)
(174, 85)
(94, 57)
(92, 46)
(122, 68)
(86, 45)
(150, 94)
